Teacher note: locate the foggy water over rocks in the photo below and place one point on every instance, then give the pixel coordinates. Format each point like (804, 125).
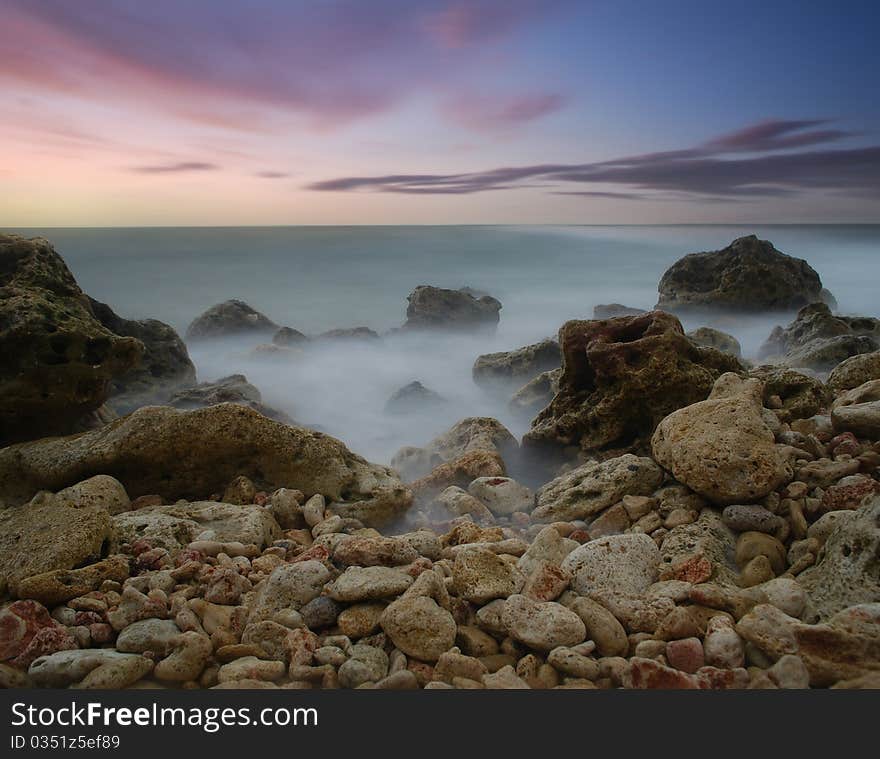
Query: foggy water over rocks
(319, 278)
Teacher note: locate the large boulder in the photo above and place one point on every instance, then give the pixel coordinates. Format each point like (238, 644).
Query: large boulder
(232, 317)
(819, 340)
(709, 337)
(232, 389)
(747, 275)
(722, 447)
(854, 371)
(58, 359)
(164, 368)
(858, 411)
(193, 454)
(50, 533)
(509, 370)
(437, 308)
(791, 394)
(620, 377)
(848, 570)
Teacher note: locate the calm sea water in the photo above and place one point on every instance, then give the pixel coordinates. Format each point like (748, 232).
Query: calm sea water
(318, 278)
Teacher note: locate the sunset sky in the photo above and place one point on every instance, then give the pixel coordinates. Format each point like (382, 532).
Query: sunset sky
(176, 112)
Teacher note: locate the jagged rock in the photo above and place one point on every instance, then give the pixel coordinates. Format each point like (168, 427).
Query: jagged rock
(512, 369)
(413, 398)
(48, 534)
(164, 368)
(58, 359)
(287, 337)
(536, 394)
(747, 275)
(612, 310)
(818, 340)
(848, 569)
(722, 448)
(232, 317)
(192, 454)
(232, 389)
(437, 308)
(620, 377)
(854, 371)
(593, 487)
(715, 338)
(802, 396)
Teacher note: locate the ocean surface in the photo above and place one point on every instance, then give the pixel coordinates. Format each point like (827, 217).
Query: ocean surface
(319, 278)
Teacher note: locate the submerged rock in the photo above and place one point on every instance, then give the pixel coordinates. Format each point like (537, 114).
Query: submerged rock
(747, 275)
(512, 369)
(413, 398)
(232, 317)
(438, 308)
(287, 337)
(715, 338)
(58, 359)
(232, 389)
(612, 310)
(535, 395)
(350, 333)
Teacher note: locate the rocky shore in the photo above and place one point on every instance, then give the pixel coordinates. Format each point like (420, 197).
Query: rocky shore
(677, 515)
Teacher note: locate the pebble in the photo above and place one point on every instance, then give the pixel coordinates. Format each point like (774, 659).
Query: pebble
(542, 626)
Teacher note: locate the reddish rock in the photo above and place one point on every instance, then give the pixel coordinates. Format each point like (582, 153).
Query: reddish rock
(845, 443)
(460, 471)
(686, 654)
(316, 553)
(19, 623)
(47, 640)
(724, 679)
(694, 569)
(648, 674)
(849, 496)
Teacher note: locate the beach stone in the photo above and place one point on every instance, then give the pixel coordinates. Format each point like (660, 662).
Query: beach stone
(320, 612)
(459, 472)
(854, 371)
(251, 668)
(419, 627)
(190, 652)
(100, 490)
(366, 664)
(505, 679)
(154, 635)
(748, 275)
(709, 337)
(512, 369)
(542, 625)
(685, 654)
(802, 395)
(846, 573)
(368, 584)
(368, 552)
(722, 645)
(48, 534)
(229, 318)
(546, 583)
(232, 389)
(547, 547)
(64, 668)
(535, 395)
(502, 495)
(621, 563)
(360, 620)
(602, 627)
(620, 378)
(862, 419)
(60, 585)
(750, 545)
(187, 454)
(438, 308)
(707, 538)
(25, 629)
(474, 433)
(58, 359)
(750, 517)
(479, 576)
(721, 447)
(593, 487)
(289, 586)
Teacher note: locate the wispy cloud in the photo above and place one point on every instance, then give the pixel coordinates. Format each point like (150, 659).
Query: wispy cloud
(271, 174)
(705, 172)
(485, 112)
(175, 168)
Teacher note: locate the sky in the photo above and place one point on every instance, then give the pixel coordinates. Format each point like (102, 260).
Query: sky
(214, 112)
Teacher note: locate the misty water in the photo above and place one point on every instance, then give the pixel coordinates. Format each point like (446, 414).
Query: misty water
(319, 278)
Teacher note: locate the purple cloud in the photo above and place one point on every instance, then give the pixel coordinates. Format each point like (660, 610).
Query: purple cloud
(272, 174)
(498, 112)
(704, 172)
(174, 168)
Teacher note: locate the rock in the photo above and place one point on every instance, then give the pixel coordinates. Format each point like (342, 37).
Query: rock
(721, 447)
(437, 308)
(58, 359)
(289, 586)
(846, 573)
(195, 453)
(535, 394)
(94, 667)
(175, 527)
(287, 337)
(458, 502)
(350, 333)
(460, 472)
(854, 371)
(49, 534)
(366, 664)
(419, 627)
(164, 368)
(61, 585)
(862, 419)
(602, 627)
(189, 654)
(790, 672)
(751, 517)
(413, 398)
(750, 545)
(722, 646)
(156, 635)
(593, 487)
(542, 626)
(707, 538)
(548, 547)
(369, 552)
(368, 584)
(502, 495)
(232, 389)
(508, 370)
(620, 377)
(818, 340)
(480, 576)
(28, 632)
(505, 679)
(708, 337)
(747, 275)
(685, 654)
(648, 674)
(360, 620)
(412, 462)
(619, 563)
(251, 668)
(230, 318)
(474, 434)
(802, 396)
(613, 310)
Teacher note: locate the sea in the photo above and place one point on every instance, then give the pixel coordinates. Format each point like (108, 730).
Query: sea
(324, 277)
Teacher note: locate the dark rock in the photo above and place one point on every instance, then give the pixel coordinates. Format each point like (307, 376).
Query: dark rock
(437, 308)
(232, 389)
(58, 359)
(620, 378)
(413, 398)
(708, 337)
(512, 369)
(164, 368)
(819, 340)
(287, 337)
(611, 310)
(232, 317)
(747, 275)
(350, 333)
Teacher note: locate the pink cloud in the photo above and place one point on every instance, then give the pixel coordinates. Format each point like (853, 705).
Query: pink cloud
(501, 112)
